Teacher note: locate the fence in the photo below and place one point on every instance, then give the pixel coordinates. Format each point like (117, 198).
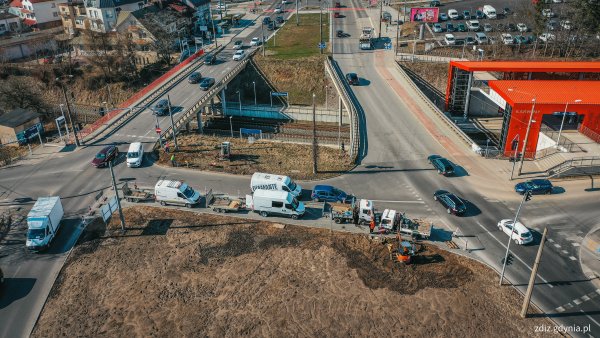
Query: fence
(284, 113)
(590, 133)
(577, 166)
(564, 142)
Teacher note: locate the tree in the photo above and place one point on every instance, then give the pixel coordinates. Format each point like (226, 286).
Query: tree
(163, 45)
(99, 47)
(17, 92)
(587, 14)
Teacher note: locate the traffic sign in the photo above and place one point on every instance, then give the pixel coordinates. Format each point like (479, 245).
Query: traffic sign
(158, 130)
(279, 94)
(322, 45)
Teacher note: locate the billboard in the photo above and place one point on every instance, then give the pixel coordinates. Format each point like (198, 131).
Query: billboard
(424, 14)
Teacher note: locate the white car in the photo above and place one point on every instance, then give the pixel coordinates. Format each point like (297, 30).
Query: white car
(473, 25)
(546, 37)
(255, 42)
(453, 14)
(284, 2)
(507, 39)
(240, 54)
(547, 12)
(437, 28)
(449, 39)
(566, 25)
(239, 44)
(521, 235)
(522, 27)
(278, 9)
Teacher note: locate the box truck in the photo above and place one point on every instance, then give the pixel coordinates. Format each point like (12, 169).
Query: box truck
(175, 192)
(275, 182)
(275, 202)
(43, 222)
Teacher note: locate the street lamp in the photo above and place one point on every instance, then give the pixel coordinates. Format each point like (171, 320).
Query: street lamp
(66, 124)
(254, 85)
(62, 86)
(231, 125)
(240, 100)
(172, 123)
(512, 172)
(526, 197)
(562, 122)
(528, 128)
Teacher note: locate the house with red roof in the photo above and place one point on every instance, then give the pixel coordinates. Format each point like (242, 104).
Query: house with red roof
(38, 14)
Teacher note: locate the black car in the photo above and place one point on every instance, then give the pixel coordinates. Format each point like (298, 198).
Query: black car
(435, 3)
(206, 83)
(105, 155)
(506, 11)
(443, 166)
(266, 20)
(340, 34)
(352, 79)
(451, 202)
(271, 26)
(469, 40)
(537, 186)
(161, 108)
(195, 77)
(466, 15)
(479, 14)
(511, 27)
(279, 19)
(210, 59)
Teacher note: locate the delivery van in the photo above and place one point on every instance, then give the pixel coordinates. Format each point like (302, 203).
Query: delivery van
(43, 222)
(275, 182)
(490, 12)
(135, 154)
(275, 202)
(175, 192)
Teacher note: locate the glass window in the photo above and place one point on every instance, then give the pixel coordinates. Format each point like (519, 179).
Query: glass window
(277, 204)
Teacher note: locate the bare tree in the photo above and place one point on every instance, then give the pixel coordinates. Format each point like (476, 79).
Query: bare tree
(17, 92)
(163, 46)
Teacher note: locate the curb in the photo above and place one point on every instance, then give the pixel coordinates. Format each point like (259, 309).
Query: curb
(594, 276)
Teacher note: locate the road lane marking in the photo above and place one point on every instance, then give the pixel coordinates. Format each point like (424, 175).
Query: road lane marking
(515, 256)
(557, 246)
(568, 306)
(550, 240)
(560, 309)
(575, 244)
(585, 298)
(572, 258)
(590, 318)
(565, 252)
(592, 294)
(409, 202)
(577, 301)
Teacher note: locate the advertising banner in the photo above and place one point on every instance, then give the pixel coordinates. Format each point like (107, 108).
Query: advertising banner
(421, 14)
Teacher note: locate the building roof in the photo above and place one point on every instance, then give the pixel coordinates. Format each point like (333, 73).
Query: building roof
(29, 22)
(17, 117)
(527, 66)
(111, 3)
(7, 15)
(547, 91)
(16, 3)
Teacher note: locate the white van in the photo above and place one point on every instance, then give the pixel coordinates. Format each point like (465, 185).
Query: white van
(135, 154)
(275, 182)
(175, 192)
(490, 12)
(274, 202)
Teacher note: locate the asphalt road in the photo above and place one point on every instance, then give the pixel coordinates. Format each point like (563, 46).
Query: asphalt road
(394, 172)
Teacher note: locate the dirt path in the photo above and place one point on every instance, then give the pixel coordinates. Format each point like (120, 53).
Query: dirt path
(182, 274)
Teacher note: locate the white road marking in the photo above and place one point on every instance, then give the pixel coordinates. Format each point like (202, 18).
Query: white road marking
(515, 256)
(560, 309)
(598, 291)
(585, 298)
(576, 301)
(568, 306)
(572, 258)
(575, 244)
(550, 240)
(592, 319)
(592, 295)
(409, 202)
(557, 246)
(565, 252)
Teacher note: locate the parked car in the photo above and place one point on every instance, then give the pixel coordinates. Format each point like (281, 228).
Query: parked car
(547, 12)
(536, 186)
(449, 39)
(278, 9)
(522, 27)
(435, 3)
(443, 17)
(105, 155)
(239, 44)
(566, 25)
(195, 77)
(481, 38)
(255, 42)
(437, 28)
(161, 107)
(279, 19)
(552, 24)
(507, 39)
(473, 25)
(546, 37)
(453, 204)
(206, 83)
(500, 27)
(328, 193)
(441, 164)
(506, 11)
(453, 14)
(449, 27)
(461, 27)
(520, 40)
(210, 59)
(352, 79)
(511, 27)
(466, 15)
(520, 234)
(487, 27)
(479, 14)
(469, 40)
(240, 54)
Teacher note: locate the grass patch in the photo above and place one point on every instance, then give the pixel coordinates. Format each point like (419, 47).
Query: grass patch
(292, 42)
(202, 152)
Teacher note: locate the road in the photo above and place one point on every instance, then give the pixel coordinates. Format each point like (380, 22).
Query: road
(394, 172)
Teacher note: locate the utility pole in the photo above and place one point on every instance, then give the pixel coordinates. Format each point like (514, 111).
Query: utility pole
(262, 31)
(562, 122)
(172, 124)
(526, 197)
(314, 143)
(527, 135)
(397, 33)
(297, 14)
(380, 14)
(114, 183)
(213, 26)
(320, 28)
(159, 134)
(62, 86)
(66, 124)
(533, 275)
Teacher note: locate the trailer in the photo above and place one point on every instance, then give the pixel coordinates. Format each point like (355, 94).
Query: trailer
(135, 194)
(395, 222)
(224, 203)
(343, 212)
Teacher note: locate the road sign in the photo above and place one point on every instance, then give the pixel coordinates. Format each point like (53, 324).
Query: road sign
(158, 130)
(322, 45)
(32, 131)
(279, 94)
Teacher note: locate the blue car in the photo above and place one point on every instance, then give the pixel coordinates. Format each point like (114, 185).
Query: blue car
(536, 187)
(329, 194)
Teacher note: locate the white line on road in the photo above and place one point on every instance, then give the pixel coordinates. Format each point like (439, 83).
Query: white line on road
(515, 256)
(577, 301)
(408, 202)
(572, 258)
(592, 319)
(550, 240)
(585, 298)
(557, 245)
(560, 309)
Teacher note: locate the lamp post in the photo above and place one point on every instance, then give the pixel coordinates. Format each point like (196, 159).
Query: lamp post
(526, 197)
(528, 128)
(562, 122)
(62, 86)
(240, 100)
(66, 125)
(254, 85)
(172, 123)
(231, 125)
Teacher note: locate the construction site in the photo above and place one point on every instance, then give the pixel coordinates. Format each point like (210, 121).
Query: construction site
(179, 273)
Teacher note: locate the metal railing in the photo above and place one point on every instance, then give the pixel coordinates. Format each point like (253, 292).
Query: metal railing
(576, 167)
(590, 133)
(564, 142)
(336, 75)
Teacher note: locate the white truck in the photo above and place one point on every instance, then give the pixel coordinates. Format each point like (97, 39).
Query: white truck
(274, 202)
(365, 41)
(175, 192)
(490, 12)
(43, 222)
(342, 212)
(275, 182)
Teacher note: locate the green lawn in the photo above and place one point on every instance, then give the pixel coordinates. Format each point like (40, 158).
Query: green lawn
(293, 41)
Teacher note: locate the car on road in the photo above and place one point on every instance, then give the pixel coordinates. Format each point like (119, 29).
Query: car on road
(279, 19)
(210, 59)
(507, 39)
(239, 44)
(435, 3)
(461, 27)
(271, 26)
(449, 27)
(441, 164)
(466, 15)
(443, 17)
(487, 27)
(206, 83)
(105, 155)
(255, 42)
(520, 234)
(328, 193)
(546, 37)
(473, 25)
(266, 20)
(536, 186)
(340, 34)
(437, 28)
(337, 15)
(522, 27)
(278, 9)
(352, 79)
(195, 77)
(453, 204)
(161, 107)
(453, 14)
(449, 39)
(284, 2)
(239, 55)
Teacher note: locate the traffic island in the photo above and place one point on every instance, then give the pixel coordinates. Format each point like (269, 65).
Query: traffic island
(181, 273)
(201, 152)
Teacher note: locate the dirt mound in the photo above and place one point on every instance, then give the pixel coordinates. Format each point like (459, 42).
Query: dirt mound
(206, 275)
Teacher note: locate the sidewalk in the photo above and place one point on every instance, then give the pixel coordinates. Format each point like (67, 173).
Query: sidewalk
(589, 256)
(41, 153)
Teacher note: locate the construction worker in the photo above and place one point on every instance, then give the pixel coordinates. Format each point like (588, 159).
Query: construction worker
(173, 160)
(355, 215)
(372, 225)
(167, 147)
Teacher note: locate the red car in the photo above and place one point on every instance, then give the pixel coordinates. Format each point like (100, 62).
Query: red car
(106, 154)
(336, 15)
